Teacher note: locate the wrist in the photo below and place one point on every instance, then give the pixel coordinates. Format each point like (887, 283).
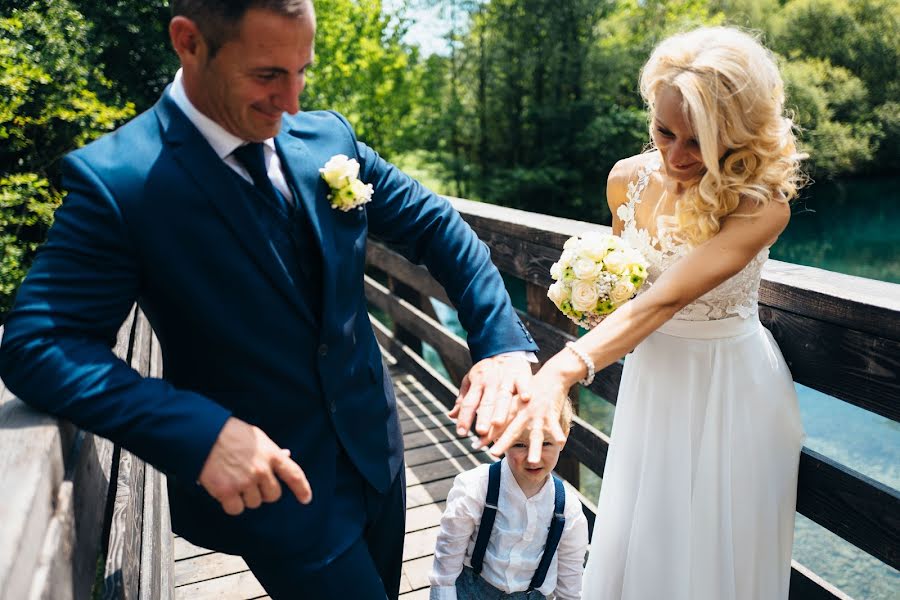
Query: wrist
(568, 367)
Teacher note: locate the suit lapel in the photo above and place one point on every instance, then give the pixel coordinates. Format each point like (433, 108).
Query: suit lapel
(300, 165)
(210, 173)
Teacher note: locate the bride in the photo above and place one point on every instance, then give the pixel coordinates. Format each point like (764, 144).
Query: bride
(699, 490)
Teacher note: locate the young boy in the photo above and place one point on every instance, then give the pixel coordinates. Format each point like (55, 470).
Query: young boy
(522, 537)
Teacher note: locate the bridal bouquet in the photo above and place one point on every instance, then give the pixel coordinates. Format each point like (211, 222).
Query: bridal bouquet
(595, 275)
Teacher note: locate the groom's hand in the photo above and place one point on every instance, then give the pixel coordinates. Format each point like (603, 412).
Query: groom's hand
(244, 466)
(487, 391)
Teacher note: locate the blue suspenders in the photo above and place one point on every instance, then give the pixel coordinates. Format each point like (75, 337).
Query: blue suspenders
(487, 524)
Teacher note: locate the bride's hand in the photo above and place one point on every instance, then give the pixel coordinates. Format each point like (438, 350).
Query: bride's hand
(537, 415)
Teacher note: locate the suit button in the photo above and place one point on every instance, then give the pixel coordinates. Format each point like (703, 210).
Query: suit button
(323, 350)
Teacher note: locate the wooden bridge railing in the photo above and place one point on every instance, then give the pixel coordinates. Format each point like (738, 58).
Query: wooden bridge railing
(839, 334)
(79, 517)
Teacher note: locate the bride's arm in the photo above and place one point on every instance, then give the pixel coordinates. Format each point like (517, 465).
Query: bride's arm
(742, 236)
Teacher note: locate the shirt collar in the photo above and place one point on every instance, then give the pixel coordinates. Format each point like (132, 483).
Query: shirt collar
(223, 142)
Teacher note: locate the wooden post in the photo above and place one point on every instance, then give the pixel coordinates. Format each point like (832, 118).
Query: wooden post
(540, 307)
(456, 372)
(411, 295)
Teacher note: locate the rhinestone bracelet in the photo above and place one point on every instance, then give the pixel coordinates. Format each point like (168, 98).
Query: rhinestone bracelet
(586, 360)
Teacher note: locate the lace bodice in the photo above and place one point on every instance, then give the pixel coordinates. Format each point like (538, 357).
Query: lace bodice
(735, 296)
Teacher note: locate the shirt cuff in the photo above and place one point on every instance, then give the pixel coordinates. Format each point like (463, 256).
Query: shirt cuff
(442, 592)
(529, 356)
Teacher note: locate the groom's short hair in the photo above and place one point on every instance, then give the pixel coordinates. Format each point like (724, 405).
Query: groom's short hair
(218, 20)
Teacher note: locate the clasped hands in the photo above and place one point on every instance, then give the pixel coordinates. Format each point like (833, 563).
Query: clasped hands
(504, 399)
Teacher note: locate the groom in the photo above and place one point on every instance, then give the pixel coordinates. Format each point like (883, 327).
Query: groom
(210, 211)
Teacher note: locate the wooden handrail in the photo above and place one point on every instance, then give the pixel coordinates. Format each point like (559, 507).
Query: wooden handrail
(55, 518)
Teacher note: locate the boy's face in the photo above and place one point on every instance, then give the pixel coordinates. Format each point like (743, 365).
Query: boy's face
(532, 474)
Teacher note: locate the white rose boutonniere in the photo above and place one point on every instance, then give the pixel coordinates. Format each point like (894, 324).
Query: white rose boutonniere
(347, 191)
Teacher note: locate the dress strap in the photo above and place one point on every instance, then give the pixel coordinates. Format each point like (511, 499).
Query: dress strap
(487, 517)
(553, 536)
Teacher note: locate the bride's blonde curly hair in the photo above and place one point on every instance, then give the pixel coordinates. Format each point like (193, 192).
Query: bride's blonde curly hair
(733, 95)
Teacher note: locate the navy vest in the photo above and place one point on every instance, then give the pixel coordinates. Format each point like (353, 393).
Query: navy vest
(293, 239)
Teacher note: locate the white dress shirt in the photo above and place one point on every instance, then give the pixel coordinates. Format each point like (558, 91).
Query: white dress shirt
(517, 539)
(224, 142)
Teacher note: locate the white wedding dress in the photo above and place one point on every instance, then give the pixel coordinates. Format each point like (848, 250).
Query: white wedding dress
(699, 489)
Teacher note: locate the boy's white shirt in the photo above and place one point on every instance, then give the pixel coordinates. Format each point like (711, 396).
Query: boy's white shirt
(517, 539)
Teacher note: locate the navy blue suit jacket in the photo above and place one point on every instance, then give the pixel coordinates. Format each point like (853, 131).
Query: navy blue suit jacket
(154, 216)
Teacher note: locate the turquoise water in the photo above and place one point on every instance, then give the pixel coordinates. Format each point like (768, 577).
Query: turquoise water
(850, 227)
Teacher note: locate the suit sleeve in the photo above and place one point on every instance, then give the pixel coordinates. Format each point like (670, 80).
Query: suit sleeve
(428, 230)
(56, 352)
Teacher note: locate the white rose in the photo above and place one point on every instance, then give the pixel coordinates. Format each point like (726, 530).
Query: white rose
(571, 243)
(339, 171)
(558, 293)
(584, 295)
(594, 245)
(566, 258)
(614, 242)
(621, 292)
(616, 262)
(586, 268)
(556, 271)
(635, 257)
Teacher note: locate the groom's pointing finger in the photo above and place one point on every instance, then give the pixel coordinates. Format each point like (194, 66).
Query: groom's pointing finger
(294, 477)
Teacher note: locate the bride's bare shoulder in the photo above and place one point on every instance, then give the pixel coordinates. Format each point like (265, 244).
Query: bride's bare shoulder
(623, 172)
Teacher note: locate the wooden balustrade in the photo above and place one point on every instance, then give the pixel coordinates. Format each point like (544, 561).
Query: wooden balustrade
(74, 504)
(839, 334)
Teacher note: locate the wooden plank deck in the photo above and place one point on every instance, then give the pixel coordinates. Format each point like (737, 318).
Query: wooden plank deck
(434, 455)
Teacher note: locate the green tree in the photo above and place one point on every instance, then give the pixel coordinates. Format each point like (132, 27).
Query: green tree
(831, 107)
(859, 36)
(132, 44)
(523, 102)
(50, 103)
(756, 15)
(366, 72)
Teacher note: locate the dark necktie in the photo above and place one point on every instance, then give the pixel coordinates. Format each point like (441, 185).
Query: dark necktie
(252, 157)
